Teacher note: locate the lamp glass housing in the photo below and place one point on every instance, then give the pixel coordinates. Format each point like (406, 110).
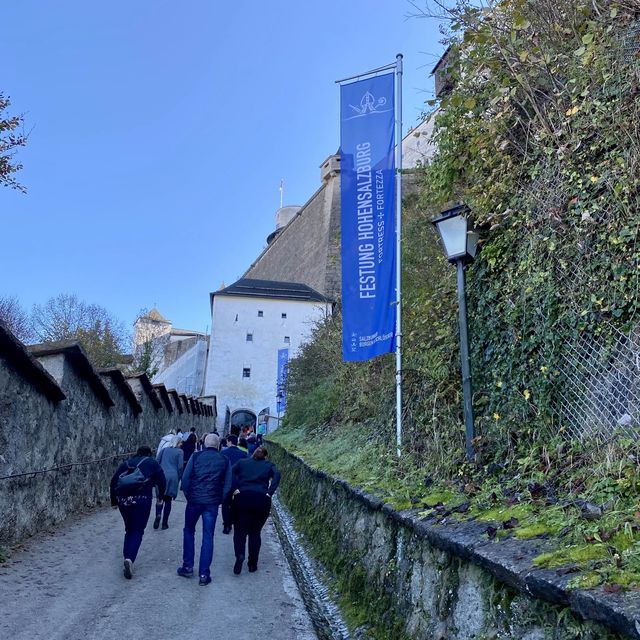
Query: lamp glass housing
(472, 243)
(453, 231)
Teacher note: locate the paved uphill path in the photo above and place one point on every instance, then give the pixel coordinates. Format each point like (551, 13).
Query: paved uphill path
(69, 586)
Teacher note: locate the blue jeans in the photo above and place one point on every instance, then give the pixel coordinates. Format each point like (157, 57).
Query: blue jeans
(209, 513)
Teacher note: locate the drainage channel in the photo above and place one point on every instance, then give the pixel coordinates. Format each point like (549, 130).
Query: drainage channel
(324, 612)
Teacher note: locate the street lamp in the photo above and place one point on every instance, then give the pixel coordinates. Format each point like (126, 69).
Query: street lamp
(461, 244)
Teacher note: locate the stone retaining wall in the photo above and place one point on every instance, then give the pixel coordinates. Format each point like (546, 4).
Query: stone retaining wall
(414, 578)
(56, 413)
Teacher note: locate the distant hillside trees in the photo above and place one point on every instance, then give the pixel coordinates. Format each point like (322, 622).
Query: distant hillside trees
(66, 317)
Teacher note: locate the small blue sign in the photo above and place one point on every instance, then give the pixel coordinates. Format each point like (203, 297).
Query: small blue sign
(281, 383)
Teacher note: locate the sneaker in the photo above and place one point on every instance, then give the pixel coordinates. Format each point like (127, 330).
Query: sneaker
(184, 572)
(128, 569)
(237, 567)
(165, 526)
(156, 522)
(204, 581)
(226, 530)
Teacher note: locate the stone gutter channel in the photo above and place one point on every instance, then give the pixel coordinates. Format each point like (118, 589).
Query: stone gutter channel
(324, 612)
(509, 560)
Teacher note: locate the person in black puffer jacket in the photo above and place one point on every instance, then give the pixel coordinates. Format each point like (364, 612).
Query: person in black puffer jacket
(254, 481)
(205, 482)
(135, 504)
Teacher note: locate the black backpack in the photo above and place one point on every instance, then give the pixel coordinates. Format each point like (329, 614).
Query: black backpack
(131, 481)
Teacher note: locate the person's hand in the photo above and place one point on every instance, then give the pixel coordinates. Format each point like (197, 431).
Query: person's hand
(269, 496)
(236, 492)
(160, 500)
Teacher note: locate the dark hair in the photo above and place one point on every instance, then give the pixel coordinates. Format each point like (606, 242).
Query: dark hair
(242, 442)
(223, 442)
(144, 450)
(193, 429)
(235, 430)
(233, 440)
(260, 453)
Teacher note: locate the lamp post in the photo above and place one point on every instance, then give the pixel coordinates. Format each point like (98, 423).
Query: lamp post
(461, 244)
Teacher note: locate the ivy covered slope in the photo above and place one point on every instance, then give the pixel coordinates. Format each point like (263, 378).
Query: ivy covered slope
(540, 137)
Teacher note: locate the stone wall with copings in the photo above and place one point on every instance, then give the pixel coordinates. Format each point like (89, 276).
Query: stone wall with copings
(58, 413)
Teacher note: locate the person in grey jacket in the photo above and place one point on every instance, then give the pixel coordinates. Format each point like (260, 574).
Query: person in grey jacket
(205, 482)
(171, 459)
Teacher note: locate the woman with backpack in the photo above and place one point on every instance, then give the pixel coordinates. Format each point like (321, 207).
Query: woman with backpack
(132, 493)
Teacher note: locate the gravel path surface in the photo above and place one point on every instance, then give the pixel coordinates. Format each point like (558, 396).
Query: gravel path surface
(69, 586)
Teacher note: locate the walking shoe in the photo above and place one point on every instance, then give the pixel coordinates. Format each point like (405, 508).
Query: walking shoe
(252, 567)
(128, 569)
(165, 526)
(156, 522)
(184, 572)
(237, 567)
(226, 530)
(204, 581)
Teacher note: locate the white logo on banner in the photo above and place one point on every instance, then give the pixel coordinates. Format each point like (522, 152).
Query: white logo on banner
(368, 105)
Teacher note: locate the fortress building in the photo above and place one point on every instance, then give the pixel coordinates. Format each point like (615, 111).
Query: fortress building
(260, 322)
(178, 355)
(256, 327)
(305, 247)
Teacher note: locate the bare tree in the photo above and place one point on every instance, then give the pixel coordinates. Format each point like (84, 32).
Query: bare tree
(11, 138)
(15, 318)
(65, 317)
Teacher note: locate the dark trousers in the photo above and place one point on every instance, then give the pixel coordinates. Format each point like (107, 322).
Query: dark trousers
(249, 511)
(226, 514)
(209, 513)
(135, 518)
(164, 506)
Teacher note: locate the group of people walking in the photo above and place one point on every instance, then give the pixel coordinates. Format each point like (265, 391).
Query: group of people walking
(210, 477)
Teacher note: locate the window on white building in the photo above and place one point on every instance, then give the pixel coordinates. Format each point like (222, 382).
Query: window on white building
(287, 340)
(249, 337)
(284, 316)
(246, 372)
(260, 314)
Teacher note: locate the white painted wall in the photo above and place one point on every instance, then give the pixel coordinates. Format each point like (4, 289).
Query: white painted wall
(186, 374)
(417, 145)
(229, 352)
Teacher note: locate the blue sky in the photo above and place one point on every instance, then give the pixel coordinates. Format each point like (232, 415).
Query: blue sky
(160, 132)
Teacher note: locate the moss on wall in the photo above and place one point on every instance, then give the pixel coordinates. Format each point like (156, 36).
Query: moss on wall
(392, 580)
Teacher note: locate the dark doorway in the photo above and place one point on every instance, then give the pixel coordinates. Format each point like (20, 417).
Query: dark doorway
(243, 418)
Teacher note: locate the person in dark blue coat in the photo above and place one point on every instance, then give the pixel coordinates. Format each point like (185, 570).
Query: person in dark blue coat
(233, 453)
(255, 480)
(135, 503)
(205, 482)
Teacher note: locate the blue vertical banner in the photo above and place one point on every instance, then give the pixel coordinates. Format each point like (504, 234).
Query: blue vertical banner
(368, 192)
(281, 385)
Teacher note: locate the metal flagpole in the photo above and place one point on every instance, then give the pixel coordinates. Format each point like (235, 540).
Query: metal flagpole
(399, 253)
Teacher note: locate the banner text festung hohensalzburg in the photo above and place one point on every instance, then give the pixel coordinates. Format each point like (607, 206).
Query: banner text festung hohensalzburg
(368, 190)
